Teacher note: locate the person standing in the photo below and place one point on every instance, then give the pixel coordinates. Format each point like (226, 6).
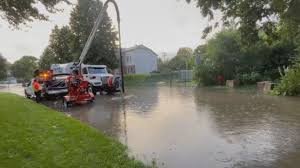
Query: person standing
(37, 90)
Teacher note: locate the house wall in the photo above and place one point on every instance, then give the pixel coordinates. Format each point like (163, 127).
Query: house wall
(144, 60)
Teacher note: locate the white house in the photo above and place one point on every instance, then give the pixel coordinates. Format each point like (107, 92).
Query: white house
(139, 60)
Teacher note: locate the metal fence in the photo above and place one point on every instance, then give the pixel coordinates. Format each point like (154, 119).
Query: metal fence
(185, 75)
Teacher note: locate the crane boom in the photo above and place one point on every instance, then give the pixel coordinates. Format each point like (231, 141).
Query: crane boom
(93, 33)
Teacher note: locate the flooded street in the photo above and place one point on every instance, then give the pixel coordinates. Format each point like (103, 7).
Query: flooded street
(188, 127)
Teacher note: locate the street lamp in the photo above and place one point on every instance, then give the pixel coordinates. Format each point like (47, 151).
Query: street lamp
(120, 40)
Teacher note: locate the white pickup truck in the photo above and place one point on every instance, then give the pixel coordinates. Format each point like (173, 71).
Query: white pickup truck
(96, 75)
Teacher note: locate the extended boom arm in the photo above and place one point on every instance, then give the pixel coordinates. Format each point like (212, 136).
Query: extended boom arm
(93, 33)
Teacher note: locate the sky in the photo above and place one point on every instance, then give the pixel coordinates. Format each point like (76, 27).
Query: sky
(162, 25)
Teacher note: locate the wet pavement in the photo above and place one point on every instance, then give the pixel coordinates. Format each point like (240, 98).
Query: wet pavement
(12, 88)
(188, 127)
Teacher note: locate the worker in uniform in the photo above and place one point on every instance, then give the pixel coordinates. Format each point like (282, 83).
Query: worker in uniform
(37, 90)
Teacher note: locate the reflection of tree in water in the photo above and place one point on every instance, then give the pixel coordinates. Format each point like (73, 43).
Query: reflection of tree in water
(265, 128)
(232, 111)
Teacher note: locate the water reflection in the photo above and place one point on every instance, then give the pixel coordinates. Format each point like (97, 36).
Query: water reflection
(186, 127)
(259, 129)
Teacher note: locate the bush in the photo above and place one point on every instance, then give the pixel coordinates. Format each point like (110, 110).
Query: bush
(249, 78)
(205, 74)
(136, 77)
(290, 83)
(149, 78)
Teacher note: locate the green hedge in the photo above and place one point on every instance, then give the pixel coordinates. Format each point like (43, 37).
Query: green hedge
(149, 78)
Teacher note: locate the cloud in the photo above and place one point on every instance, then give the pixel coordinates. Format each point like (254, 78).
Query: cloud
(163, 26)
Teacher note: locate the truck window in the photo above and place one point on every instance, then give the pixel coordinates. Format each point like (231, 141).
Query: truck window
(84, 71)
(96, 70)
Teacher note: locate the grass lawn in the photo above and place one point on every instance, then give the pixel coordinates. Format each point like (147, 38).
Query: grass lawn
(32, 135)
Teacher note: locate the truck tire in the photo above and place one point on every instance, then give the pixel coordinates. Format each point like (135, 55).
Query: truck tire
(94, 90)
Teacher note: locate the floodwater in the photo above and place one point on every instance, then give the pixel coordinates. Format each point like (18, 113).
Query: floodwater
(187, 127)
(181, 127)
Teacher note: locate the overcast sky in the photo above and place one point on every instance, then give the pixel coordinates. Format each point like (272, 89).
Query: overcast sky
(162, 25)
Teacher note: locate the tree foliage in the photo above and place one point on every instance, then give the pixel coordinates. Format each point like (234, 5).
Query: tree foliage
(182, 60)
(60, 48)
(47, 58)
(3, 67)
(252, 15)
(67, 43)
(24, 68)
(103, 48)
(224, 51)
(226, 55)
(289, 84)
(18, 12)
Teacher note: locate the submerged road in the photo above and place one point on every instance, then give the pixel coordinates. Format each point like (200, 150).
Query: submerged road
(188, 127)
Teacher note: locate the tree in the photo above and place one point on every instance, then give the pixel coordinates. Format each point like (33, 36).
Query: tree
(103, 48)
(20, 12)
(222, 56)
(24, 68)
(252, 15)
(224, 51)
(3, 67)
(47, 59)
(60, 48)
(199, 53)
(62, 44)
(185, 52)
(163, 66)
(182, 60)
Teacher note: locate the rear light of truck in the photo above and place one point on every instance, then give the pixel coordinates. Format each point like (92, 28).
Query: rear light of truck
(46, 75)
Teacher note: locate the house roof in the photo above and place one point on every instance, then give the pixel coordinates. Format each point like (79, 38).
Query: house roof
(124, 50)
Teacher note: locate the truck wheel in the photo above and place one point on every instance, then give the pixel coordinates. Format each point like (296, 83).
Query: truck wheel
(94, 90)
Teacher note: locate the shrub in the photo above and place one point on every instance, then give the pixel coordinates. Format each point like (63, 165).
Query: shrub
(149, 78)
(205, 74)
(249, 78)
(290, 83)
